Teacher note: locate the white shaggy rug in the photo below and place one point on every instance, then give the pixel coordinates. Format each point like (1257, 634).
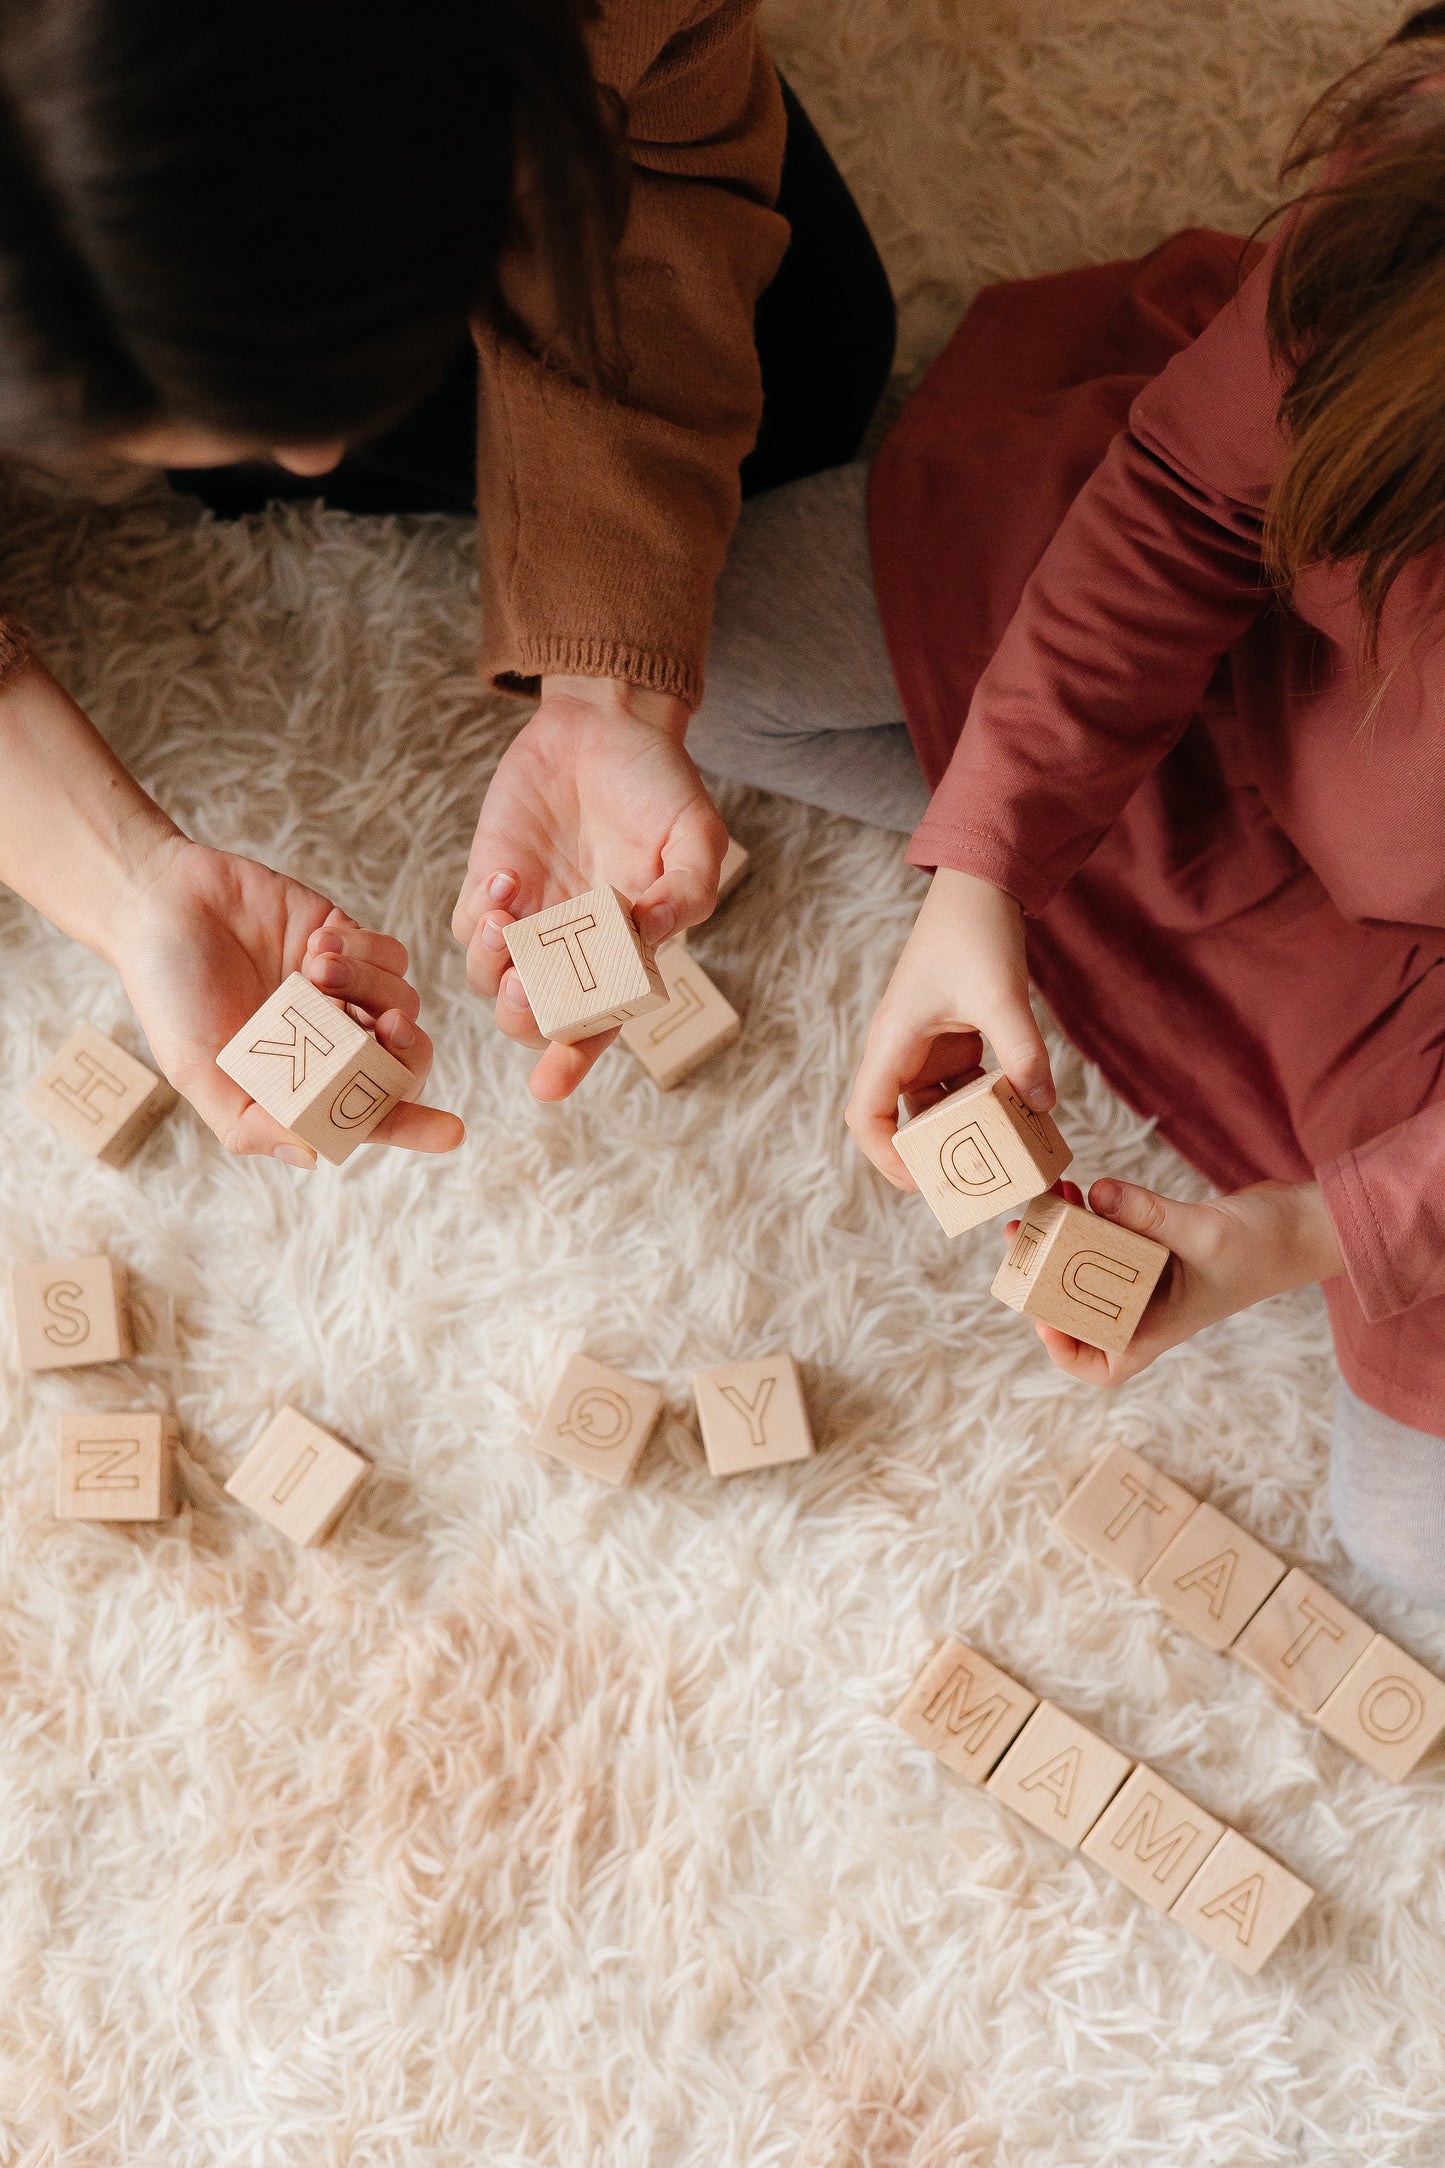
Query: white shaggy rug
(539, 1826)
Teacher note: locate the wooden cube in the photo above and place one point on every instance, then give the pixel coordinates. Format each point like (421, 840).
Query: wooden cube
(1387, 1710)
(1152, 1838)
(980, 1152)
(1303, 1640)
(96, 1095)
(584, 966)
(1241, 1902)
(1059, 1775)
(964, 1709)
(696, 1024)
(734, 869)
(752, 1415)
(598, 1420)
(1080, 1273)
(1125, 1513)
(1213, 1577)
(70, 1313)
(316, 1070)
(116, 1464)
(298, 1477)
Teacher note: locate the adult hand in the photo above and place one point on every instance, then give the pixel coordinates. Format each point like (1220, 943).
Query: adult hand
(597, 788)
(206, 937)
(962, 979)
(1226, 1255)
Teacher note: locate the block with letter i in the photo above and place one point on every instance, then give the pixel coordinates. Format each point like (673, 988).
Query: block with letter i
(752, 1415)
(298, 1477)
(1082, 1274)
(1151, 1838)
(696, 1023)
(1387, 1710)
(1240, 1902)
(97, 1096)
(980, 1152)
(1059, 1775)
(116, 1464)
(584, 967)
(315, 1069)
(70, 1313)
(599, 1420)
(1124, 1512)
(964, 1709)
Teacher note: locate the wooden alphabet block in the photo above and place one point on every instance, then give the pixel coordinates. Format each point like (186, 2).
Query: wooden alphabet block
(1213, 1577)
(1152, 1838)
(1241, 1902)
(116, 1464)
(1080, 1273)
(1059, 1775)
(1303, 1641)
(964, 1709)
(584, 966)
(298, 1477)
(598, 1420)
(70, 1313)
(315, 1069)
(734, 869)
(979, 1152)
(99, 1097)
(1125, 1513)
(1387, 1710)
(752, 1415)
(696, 1024)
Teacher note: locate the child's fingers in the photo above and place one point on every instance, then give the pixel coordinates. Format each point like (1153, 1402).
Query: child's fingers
(419, 1129)
(242, 1126)
(562, 1068)
(361, 945)
(497, 889)
(691, 861)
(1089, 1364)
(891, 1059)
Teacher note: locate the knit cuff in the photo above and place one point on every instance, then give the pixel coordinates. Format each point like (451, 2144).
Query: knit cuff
(558, 656)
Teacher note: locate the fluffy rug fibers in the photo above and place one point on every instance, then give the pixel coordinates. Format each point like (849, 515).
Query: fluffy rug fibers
(534, 1824)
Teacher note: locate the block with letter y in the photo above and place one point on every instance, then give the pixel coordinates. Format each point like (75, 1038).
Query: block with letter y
(316, 1070)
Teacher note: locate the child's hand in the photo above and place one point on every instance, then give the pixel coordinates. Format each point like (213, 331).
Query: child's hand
(1227, 1255)
(208, 937)
(962, 979)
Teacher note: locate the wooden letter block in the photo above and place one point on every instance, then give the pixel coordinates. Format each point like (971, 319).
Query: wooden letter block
(316, 1070)
(598, 1420)
(1080, 1273)
(1303, 1641)
(752, 1415)
(584, 967)
(734, 869)
(696, 1024)
(1059, 1775)
(964, 1709)
(1152, 1838)
(1241, 1902)
(979, 1152)
(298, 1477)
(99, 1097)
(1213, 1577)
(116, 1465)
(1387, 1710)
(1125, 1512)
(70, 1313)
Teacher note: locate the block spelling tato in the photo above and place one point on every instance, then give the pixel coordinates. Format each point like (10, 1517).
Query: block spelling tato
(1303, 1640)
(1241, 1902)
(315, 1069)
(584, 967)
(696, 1023)
(1151, 1838)
(752, 1415)
(1387, 1710)
(70, 1313)
(99, 1097)
(298, 1477)
(116, 1464)
(1059, 1775)
(1213, 1577)
(1082, 1274)
(964, 1709)
(1124, 1512)
(598, 1420)
(979, 1152)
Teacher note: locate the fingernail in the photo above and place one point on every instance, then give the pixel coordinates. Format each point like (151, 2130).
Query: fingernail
(401, 1034)
(492, 936)
(334, 972)
(295, 1155)
(1039, 1098)
(501, 886)
(1106, 1195)
(514, 993)
(658, 922)
(326, 944)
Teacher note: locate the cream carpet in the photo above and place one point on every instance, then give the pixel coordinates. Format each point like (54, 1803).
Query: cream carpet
(539, 1826)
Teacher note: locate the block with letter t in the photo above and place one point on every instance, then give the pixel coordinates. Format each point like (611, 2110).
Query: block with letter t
(316, 1070)
(584, 967)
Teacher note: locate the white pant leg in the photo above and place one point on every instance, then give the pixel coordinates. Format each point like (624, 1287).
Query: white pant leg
(1387, 1496)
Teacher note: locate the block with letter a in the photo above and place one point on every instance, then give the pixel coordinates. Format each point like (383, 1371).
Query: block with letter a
(1241, 1902)
(752, 1415)
(696, 1023)
(1303, 1641)
(1387, 1710)
(70, 1313)
(98, 1097)
(598, 1420)
(1082, 1274)
(116, 1464)
(316, 1070)
(1124, 1512)
(1152, 1838)
(584, 966)
(1059, 1775)
(964, 1709)
(299, 1477)
(1213, 1577)
(980, 1152)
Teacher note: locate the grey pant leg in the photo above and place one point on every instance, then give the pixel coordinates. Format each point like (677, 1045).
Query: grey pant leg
(1387, 1496)
(800, 692)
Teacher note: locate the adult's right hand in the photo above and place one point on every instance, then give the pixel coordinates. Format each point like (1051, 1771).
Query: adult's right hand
(962, 980)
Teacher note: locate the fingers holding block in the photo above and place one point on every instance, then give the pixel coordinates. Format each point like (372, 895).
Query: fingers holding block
(980, 1152)
(598, 1420)
(584, 967)
(1303, 1641)
(696, 1023)
(299, 1477)
(1080, 1273)
(117, 1465)
(315, 1070)
(1059, 1775)
(1213, 1577)
(1388, 1711)
(70, 1313)
(99, 1097)
(752, 1415)
(1241, 1903)
(964, 1710)
(1151, 1838)
(1125, 1513)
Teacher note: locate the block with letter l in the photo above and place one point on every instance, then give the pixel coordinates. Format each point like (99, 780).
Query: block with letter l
(316, 1070)
(299, 1477)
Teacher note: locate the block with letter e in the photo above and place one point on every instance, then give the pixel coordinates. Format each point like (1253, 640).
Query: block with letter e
(964, 1710)
(1124, 1512)
(116, 1464)
(315, 1069)
(98, 1097)
(1082, 1274)
(584, 967)
(980, 1152)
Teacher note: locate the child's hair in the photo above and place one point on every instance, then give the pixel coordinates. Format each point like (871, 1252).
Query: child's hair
(273, 218)
(1357, 320)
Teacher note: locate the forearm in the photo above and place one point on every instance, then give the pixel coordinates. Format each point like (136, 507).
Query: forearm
(75, 826)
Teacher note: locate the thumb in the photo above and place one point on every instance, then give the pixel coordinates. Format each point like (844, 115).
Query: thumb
(1018, 1044)
(1144, 1212)
(687, 891)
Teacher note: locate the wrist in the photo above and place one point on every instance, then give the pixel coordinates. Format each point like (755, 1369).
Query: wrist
(1304, 1246)
(616, 699)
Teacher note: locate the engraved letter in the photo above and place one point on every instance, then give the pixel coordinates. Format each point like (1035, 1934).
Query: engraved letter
(571, 935)
(752, 1411)
(1239, 1904)
(303, 1464)
(1146, 1846)
(1026, 1241)
(968, 1162)
(304, 1036)
(1378, 1718)
(597, 1417)
(357, 1100)
(1109, 1268)
(972, 1721)
(1141, 1498)
(62, 1298)
(100, 1458)
(1305, 1639)
(1056, 1776)
(1213, 1577)
(81, 1096)
(686, 1003)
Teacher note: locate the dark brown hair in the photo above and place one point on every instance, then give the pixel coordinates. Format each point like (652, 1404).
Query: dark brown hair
(274, 217)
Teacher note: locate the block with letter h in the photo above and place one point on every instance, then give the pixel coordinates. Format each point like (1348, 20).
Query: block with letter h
(315, 1069)
(99, 1097)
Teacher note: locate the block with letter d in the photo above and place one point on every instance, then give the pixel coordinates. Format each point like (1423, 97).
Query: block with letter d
(316, 1070)
(980, 1152)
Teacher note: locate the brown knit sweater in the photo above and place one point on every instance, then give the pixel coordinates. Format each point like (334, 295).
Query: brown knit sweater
(604, 516)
